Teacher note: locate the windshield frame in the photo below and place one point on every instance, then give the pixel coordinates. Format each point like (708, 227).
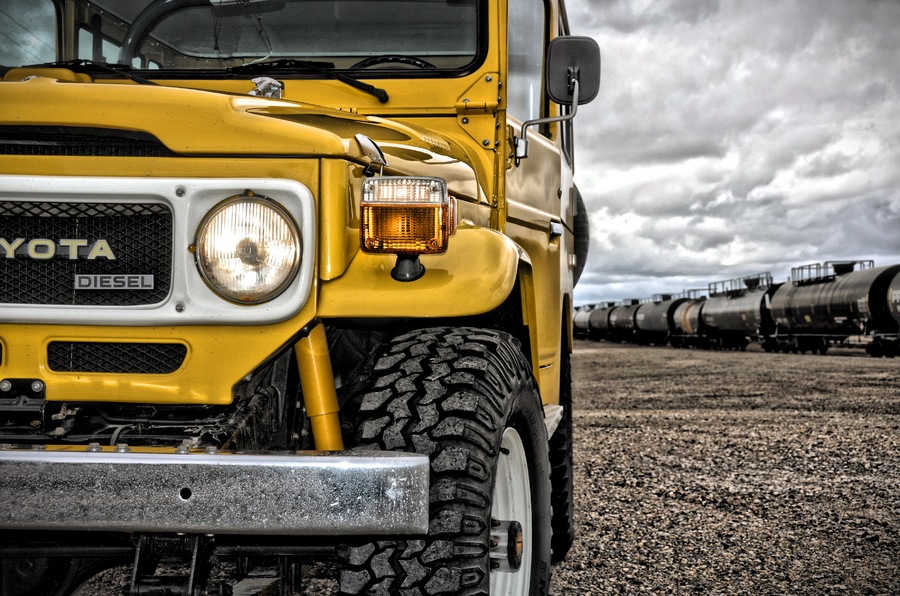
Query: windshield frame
(138, 32)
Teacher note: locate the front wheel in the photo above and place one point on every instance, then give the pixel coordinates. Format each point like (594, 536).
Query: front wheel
(40, 576)
(466, 398)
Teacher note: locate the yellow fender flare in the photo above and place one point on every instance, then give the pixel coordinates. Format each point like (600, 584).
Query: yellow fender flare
(476, 275)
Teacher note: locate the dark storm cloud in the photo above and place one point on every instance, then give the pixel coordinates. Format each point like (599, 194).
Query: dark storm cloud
(628, 17)
(731, 138)
(871, 229)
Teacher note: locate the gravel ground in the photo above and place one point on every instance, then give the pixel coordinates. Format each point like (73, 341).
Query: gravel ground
(734, 473)
(726, 473)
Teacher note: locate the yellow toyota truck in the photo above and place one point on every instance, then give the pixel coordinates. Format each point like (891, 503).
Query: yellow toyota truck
(284, 281)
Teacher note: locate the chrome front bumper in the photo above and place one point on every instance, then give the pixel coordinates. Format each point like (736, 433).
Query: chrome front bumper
(303, 493)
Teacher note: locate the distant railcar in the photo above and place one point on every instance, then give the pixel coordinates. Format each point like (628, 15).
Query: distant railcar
(821, 305)
(654, 320)
(886, 342)
(737, 311)
(622, 324)
(581, 320)
(687, 323)
(827, 303)
(599, 321)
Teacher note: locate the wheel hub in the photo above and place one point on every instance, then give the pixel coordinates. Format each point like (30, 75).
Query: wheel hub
(507, 542)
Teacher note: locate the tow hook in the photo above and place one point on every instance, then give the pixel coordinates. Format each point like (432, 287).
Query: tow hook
(507, 542)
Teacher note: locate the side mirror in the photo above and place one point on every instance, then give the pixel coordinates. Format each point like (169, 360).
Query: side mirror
(573, 78)
(573, 58)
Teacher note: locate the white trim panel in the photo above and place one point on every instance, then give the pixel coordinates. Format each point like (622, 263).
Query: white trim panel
(190, 301)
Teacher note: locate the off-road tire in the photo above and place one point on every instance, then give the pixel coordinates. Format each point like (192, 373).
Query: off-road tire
(582, 232)
(451, 393)
(40, 576)
(562, 472)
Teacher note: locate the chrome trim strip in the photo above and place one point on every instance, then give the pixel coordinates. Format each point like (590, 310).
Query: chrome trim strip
(299, 493)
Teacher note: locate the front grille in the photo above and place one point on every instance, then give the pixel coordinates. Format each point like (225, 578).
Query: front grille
(79, 142)
(139, 236)
(101, 357)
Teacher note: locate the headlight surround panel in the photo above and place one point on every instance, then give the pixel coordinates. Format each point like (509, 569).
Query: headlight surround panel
(189, 300)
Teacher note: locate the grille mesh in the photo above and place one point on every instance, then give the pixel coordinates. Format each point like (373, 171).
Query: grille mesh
(79, 142)
(140, 236)
(101, 357)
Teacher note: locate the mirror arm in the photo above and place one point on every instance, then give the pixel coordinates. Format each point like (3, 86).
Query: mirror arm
(521, 145)
(573, 82)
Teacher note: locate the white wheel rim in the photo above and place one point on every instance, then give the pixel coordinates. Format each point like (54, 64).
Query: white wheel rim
(512, 501)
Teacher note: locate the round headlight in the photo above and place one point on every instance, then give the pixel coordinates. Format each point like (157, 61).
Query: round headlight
(248, 249)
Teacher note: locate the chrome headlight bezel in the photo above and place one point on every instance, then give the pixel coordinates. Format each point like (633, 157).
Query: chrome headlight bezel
(255, 230)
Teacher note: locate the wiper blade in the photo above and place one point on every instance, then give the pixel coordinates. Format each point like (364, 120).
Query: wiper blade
(281, 64)
(82, 65)
(324, 68)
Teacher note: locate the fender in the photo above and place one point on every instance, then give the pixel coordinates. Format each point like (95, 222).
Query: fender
(479, 262)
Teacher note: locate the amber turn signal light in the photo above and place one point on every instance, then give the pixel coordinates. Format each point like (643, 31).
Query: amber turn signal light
(406, 215)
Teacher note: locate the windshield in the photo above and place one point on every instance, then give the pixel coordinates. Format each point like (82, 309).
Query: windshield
(205, 35)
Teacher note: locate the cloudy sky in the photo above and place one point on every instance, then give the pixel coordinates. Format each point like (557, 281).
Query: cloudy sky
(732, 138)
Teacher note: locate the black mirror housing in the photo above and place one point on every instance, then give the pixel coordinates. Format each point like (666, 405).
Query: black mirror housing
(569, 58)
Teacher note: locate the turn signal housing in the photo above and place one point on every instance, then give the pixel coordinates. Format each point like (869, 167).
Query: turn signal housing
(406, 215)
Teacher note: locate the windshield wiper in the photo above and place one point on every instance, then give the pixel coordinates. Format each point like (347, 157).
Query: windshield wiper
(324, 68)
(86, 66)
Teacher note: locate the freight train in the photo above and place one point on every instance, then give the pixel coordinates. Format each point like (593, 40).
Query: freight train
(821, 305)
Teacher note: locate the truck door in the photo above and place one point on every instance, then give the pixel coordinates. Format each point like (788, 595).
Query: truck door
(533, 186)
